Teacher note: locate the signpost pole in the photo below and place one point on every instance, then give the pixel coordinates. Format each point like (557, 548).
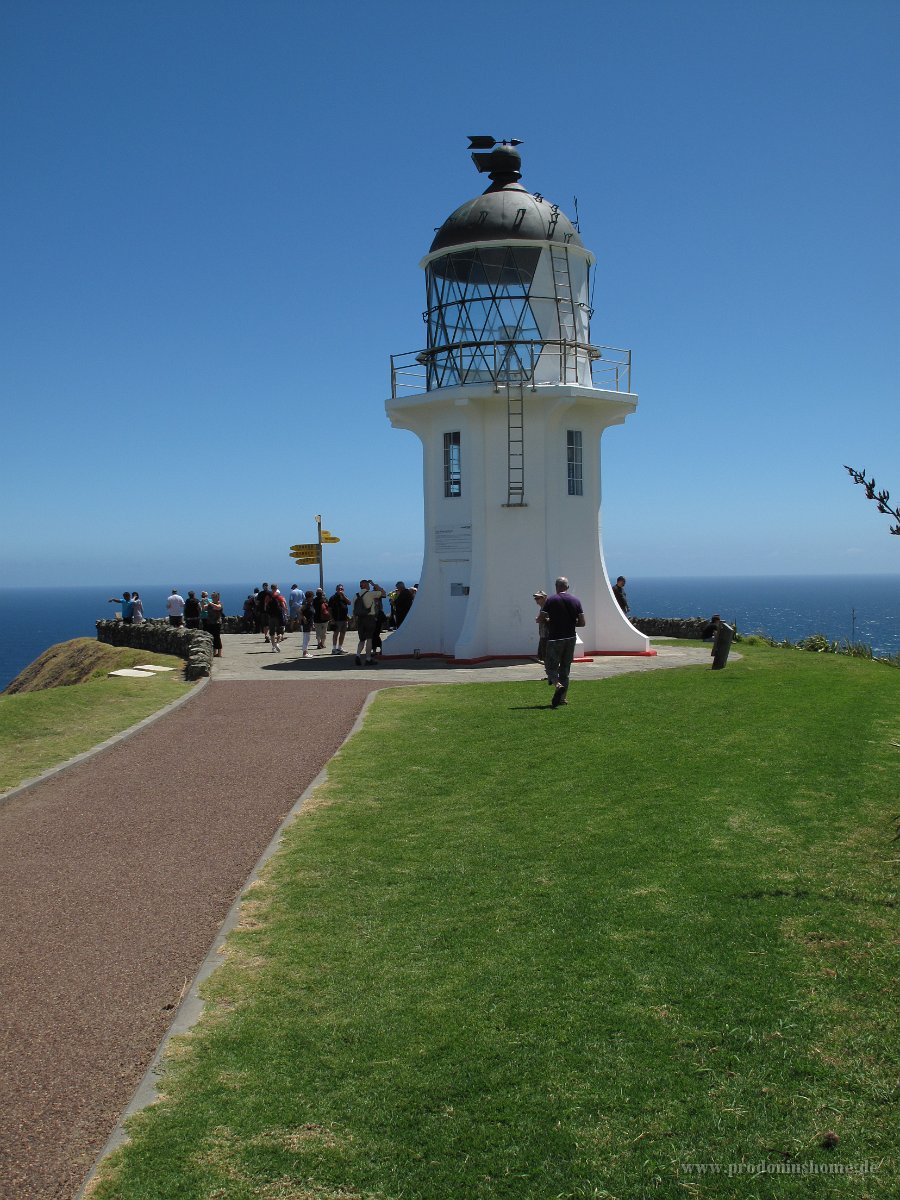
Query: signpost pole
(321, 567)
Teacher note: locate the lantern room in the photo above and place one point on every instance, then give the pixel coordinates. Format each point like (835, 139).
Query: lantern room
(508, 287)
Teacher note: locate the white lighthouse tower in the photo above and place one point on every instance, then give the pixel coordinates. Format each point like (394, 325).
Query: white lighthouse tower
(509, 399)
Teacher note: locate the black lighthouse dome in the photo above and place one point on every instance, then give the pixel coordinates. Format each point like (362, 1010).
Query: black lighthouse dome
(505, 211)
(504, 215)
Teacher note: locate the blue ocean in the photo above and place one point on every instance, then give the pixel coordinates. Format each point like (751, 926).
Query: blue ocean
(861, 608)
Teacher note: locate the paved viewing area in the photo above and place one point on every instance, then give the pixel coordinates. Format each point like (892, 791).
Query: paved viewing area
(120, 870)
(247, 656)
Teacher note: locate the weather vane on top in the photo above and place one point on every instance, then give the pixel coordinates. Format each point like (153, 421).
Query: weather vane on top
(500, 160)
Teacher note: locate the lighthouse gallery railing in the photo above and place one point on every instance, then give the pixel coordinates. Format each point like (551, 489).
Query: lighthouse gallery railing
(503, 361)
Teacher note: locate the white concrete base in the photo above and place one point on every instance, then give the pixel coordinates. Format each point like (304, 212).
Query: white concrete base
(483, 559)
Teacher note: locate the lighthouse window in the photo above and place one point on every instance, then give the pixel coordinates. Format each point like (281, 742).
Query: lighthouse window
(452, 472)
(574, 462)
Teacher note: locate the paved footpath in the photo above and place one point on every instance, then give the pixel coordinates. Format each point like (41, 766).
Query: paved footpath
(117, 872)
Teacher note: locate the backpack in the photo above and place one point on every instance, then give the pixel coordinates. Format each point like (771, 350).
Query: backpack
(359, 606)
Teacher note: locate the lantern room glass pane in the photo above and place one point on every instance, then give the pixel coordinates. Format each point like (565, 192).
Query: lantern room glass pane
(478, 298)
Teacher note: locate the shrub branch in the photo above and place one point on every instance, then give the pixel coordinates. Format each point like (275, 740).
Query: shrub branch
(881, 498)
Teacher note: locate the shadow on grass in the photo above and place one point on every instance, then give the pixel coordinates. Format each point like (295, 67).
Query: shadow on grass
(818, 897)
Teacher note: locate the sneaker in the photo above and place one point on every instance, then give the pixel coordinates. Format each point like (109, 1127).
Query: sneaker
(371, 662)
(306, 654)
(358, 661)
(277, 647)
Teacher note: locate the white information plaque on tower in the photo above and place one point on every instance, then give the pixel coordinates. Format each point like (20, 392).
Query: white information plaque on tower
(453, 539)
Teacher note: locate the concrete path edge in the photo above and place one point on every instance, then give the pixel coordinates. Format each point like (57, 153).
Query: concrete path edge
(191, 1007)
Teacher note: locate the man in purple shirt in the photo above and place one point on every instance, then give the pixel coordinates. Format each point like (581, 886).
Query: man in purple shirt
(562, 614)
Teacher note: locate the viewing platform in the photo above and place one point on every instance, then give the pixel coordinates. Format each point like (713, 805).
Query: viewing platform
(529, 362)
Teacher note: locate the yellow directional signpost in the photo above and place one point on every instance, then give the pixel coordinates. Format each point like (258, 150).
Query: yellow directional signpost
(306, 554)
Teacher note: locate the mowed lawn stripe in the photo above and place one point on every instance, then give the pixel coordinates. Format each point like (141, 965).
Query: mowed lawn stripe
(510, 951)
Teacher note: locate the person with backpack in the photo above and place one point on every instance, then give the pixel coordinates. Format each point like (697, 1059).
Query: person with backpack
(340, 613)
(321, 617)
(364, 609)
(262, 610)
(278, 613)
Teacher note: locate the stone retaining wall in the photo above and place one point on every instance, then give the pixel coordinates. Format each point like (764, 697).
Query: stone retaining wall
(193, 645)
(674, 627)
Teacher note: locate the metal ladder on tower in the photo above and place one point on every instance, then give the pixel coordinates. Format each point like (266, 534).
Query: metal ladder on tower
(515, 427)
(565, 312)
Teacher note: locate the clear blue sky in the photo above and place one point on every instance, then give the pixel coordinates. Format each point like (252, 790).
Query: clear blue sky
(212, 215)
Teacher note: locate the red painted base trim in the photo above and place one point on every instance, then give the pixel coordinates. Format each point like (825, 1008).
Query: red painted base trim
(465, 662)
(497, 658)
(586, 657)
(468, 662)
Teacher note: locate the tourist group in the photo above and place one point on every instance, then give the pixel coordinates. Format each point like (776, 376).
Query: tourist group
(372, 610)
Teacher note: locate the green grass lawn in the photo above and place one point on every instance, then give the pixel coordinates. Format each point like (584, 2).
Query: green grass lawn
(524, 953)
(39, 730)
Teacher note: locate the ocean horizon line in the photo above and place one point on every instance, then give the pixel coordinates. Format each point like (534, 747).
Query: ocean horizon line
(105, 585)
